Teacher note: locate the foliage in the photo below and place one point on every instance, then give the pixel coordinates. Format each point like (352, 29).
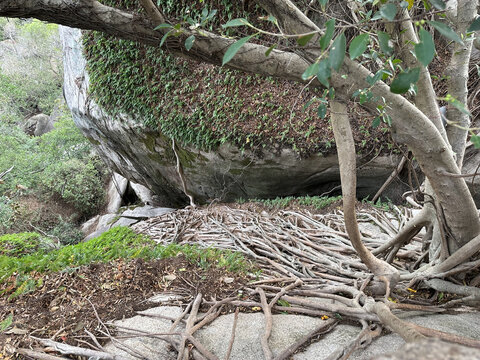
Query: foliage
(6, 323)
(6, 214)
(119, 242)
(57, 164)
(75, 181)
(21, 244)
(66, 232)
(379, 204)
(317, 202)
(30, 83)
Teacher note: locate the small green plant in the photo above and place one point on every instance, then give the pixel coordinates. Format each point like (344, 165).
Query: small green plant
(66, 232)
(379, 204)
(6, 323)
(23, 244)
(318, 202)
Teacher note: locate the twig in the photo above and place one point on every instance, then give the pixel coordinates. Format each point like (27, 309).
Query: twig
(188, 327)
(6, 172)
(75, 350)
(181, 174)
(38, 355)
(268, 324)
(392, 176)
(232, 338)
(323, 328)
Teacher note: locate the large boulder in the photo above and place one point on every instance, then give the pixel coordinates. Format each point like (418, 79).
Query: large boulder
(145, 156)
(38, 125)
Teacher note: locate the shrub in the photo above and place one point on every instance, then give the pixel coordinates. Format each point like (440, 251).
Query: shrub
(22, 244)
(33, 80)
(6, 214)
(76, 182)
(67, 233)
(59, 164)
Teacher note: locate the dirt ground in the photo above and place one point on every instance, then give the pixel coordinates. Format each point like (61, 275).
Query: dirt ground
(68, 302)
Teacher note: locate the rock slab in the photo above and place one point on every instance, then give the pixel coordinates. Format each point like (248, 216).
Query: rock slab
(287, 329)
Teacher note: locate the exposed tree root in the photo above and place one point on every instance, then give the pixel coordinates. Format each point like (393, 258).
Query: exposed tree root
(324, 328)
(346, 158)
(364, 338)
(407, 232)
(472, 294)
(328, 279)
(402, 328)
(38, 355)
(181, 174)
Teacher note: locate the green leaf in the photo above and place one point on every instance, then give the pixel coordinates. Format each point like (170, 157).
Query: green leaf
(475, 25)
(371, 80)
(283, 303)
(475, 139)
(327, 37)
(164, 37)
(236, 22)
(189, 42)
(337, 53)
(322, 110)
(439, 4)
(402, 81)
(211, 15)
(446, 31)
(272, 19)
(233, 49)
(324, 72)
(384, 41)
(311, 71)
(5, 324)
(309, 102)
(358, 45)
(376, 122)
(303, 40)
(323, 3)
(163, 26)
(459, 105)
(388, 11)
(270, 49)
(425, 49)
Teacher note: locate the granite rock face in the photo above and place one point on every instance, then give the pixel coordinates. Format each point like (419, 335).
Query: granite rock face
(145, 156)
